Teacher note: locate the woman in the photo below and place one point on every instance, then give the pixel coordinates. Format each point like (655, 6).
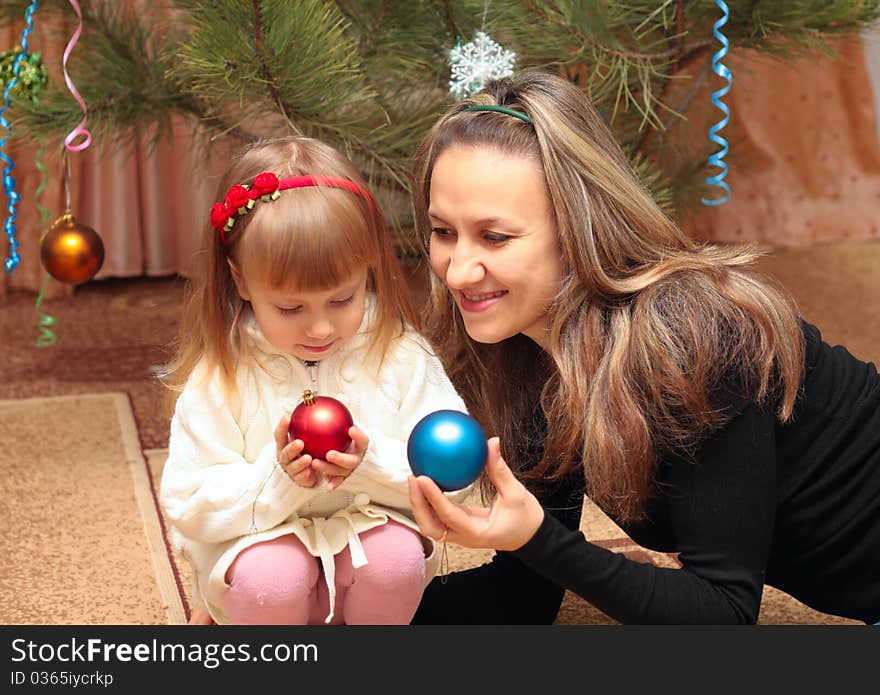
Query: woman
(615, 356)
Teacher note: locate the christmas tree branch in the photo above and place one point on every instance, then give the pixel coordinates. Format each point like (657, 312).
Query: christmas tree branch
(269, 78)
(450, 18)
(374, 32)
(371, 76)
(660, 56)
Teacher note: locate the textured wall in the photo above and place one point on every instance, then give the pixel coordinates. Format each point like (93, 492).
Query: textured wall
(804, 164)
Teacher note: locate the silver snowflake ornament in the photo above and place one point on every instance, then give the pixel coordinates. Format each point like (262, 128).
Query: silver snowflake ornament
(477, 62)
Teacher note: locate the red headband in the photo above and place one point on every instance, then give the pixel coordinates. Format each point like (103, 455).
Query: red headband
(240, 199)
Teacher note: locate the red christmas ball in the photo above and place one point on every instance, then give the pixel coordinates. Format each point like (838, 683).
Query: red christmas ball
(322, 424)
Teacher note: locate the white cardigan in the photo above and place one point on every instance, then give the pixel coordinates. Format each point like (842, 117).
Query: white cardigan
(223, 491)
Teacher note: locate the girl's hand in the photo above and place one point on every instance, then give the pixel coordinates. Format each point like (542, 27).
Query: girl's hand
(298, 468)
(339, 466)
(508, 524)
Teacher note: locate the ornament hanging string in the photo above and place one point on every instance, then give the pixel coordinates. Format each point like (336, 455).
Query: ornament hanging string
(71, 252)
(444, 561)
(11, 263)
(254, 528)
(717, 158)
(46, 336)
(80, 128)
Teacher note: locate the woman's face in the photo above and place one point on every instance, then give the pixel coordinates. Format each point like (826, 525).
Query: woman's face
(493, 242)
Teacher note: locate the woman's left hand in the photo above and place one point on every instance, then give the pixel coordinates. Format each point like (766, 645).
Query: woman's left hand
(339, 465)
(509, 523)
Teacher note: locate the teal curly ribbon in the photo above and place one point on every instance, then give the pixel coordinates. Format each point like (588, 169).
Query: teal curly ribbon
(12, 262)
(44, 179)
(46, 338)
(717, 159)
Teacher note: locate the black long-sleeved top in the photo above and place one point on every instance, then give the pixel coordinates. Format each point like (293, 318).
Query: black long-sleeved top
(793, 505)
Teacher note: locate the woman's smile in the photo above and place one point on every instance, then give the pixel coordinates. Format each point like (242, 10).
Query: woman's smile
(474, 302)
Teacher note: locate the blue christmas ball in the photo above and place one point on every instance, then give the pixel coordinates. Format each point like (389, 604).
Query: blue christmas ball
(449, 447)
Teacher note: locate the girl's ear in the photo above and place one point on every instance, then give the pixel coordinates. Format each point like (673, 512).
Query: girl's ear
(238, 279)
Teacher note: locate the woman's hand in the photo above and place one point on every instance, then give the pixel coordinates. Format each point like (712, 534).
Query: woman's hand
(298, 468)
(338, 465)
(508, 524)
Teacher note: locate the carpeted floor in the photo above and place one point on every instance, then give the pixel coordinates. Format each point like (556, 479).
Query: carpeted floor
(81, 536)
(77, 526)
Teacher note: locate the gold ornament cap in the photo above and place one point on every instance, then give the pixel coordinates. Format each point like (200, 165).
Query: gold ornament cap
(309, 397)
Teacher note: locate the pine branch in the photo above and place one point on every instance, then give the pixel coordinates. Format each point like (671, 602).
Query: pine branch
(370, 76)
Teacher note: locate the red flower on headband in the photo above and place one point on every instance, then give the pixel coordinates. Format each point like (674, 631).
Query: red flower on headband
(219, 216)
(265, 184)
(238, 197)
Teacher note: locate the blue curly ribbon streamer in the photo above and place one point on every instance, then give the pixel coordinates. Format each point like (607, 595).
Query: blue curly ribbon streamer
(11, 263)
(721, 70)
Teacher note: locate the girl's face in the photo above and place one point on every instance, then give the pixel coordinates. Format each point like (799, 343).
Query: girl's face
(309, 325)
(493, 242)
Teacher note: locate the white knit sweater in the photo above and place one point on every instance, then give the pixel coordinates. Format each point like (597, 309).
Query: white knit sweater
(223, 491)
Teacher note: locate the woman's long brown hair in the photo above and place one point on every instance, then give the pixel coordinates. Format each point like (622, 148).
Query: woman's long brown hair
(651, 331)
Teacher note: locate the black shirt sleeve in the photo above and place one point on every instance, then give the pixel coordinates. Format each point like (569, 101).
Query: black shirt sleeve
(717, 511)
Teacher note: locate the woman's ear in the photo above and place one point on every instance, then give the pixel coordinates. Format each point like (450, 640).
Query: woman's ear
(238, 279)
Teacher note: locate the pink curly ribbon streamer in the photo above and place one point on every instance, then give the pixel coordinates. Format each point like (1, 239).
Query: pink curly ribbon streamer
(80, 129)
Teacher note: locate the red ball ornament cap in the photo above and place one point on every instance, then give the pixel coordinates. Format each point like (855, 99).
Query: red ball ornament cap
(322, 423)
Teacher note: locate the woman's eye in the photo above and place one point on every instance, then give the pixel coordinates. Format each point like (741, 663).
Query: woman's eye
(440, 231)
(495, 238)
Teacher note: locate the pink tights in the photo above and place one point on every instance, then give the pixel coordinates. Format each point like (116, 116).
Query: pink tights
(279, 582)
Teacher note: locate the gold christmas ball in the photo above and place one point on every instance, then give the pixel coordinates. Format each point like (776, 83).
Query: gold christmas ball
(70, 251)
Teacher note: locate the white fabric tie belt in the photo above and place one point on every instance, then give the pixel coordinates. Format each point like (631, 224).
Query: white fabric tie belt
(325, 552)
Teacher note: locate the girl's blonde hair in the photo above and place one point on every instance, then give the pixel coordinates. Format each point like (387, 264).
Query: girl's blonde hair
(651, 332)
(310, 238)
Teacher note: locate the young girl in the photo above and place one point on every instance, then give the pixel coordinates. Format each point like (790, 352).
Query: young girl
(299, 289)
